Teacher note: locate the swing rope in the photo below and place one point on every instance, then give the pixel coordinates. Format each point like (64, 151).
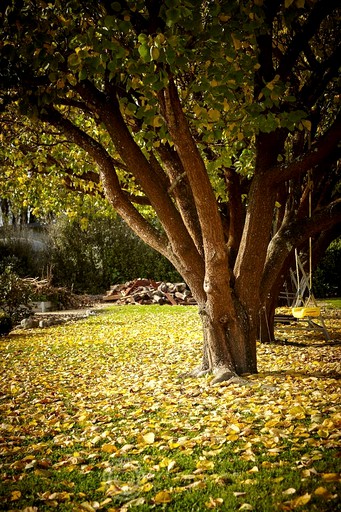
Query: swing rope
(310, 185)
(306, 310)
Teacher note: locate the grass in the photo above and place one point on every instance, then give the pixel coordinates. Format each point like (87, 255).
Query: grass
(333, 303)
(94, 417)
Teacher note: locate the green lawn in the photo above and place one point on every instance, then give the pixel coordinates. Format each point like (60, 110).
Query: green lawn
(334, 303)
(95, 417)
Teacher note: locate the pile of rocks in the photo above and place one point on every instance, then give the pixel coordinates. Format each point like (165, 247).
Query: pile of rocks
(148, 291)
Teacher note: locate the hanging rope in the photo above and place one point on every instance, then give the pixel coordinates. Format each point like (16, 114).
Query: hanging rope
(300, 312)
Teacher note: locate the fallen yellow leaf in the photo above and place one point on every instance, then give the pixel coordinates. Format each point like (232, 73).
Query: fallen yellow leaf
(245, 506)
(162, 497)
(300, 500)
(320, 491)
(205, 465)
(331, 477)
(15, 495)
(291, 490)
(297, 411)
(253, 470)
(214, 502)
(87, 507)
(146, 487)
(109, 448)
(149, 438)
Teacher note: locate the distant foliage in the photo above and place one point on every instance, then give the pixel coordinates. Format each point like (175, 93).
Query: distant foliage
(15, 296)
(91, 258)
(5, 323)
(17, 250)
(327, 277)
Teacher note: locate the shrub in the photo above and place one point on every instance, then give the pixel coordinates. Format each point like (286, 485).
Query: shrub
(106, 252)
(22, 249)
(15, 295)
(327, 277)
(5, 323)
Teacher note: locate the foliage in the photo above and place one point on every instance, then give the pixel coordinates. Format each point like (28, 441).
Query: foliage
(17, 250)
(96, 418)
(90, 255)
(327, 278)
(5, 323)
(15, 295)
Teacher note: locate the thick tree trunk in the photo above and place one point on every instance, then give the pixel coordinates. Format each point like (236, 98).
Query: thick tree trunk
(229, 347)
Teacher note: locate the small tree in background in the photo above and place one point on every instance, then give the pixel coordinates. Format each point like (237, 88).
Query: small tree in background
(88, 259)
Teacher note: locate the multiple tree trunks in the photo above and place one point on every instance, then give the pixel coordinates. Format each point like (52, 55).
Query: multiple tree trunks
(148, 291)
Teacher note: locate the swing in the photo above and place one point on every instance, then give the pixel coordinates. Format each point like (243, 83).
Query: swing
(303, 310)
(307, 310)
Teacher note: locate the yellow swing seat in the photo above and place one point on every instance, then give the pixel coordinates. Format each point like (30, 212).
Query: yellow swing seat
(307, 311)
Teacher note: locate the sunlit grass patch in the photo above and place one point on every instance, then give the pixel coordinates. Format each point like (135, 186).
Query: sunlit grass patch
(94, 416)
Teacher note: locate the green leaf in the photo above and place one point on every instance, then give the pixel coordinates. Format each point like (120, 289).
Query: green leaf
(74, 60)
(154, 53)
(144, 52)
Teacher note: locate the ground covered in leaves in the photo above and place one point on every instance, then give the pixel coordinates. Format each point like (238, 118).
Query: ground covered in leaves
(94, 417)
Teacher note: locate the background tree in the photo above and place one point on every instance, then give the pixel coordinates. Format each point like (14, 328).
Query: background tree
(219, 116)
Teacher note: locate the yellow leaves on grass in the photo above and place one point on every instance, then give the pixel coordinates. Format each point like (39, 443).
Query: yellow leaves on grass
(167, 463)
(297, 412)
(289, 491)
(103, 397)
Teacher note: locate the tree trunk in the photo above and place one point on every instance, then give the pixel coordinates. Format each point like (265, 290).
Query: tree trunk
(229, 347)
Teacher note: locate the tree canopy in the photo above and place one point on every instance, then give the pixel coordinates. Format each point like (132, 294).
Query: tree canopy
(219, 117)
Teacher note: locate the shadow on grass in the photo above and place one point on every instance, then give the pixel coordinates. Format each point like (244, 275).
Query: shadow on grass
(300, 374)
(331, 343)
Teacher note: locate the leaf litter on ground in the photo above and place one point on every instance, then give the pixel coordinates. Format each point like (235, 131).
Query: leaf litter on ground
(94, 416)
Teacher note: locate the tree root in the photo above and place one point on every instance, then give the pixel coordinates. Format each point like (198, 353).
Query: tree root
(224, 375)
(196, 372)
(235, 379)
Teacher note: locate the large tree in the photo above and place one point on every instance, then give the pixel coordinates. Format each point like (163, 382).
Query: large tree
(218, 115)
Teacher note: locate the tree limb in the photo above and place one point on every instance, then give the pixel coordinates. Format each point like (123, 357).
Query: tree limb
(319, 151)
(320, 10)
(109, 179)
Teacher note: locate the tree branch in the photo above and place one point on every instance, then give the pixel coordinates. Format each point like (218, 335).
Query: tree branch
(264, 43)
(298, 42)
(109, 179)
(323, 73)
(319, 151)
(293, 234)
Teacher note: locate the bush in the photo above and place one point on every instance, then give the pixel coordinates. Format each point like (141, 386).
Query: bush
(15, 296)
(18, 249)
(327, 277)
(5, 323)
(107, 252)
